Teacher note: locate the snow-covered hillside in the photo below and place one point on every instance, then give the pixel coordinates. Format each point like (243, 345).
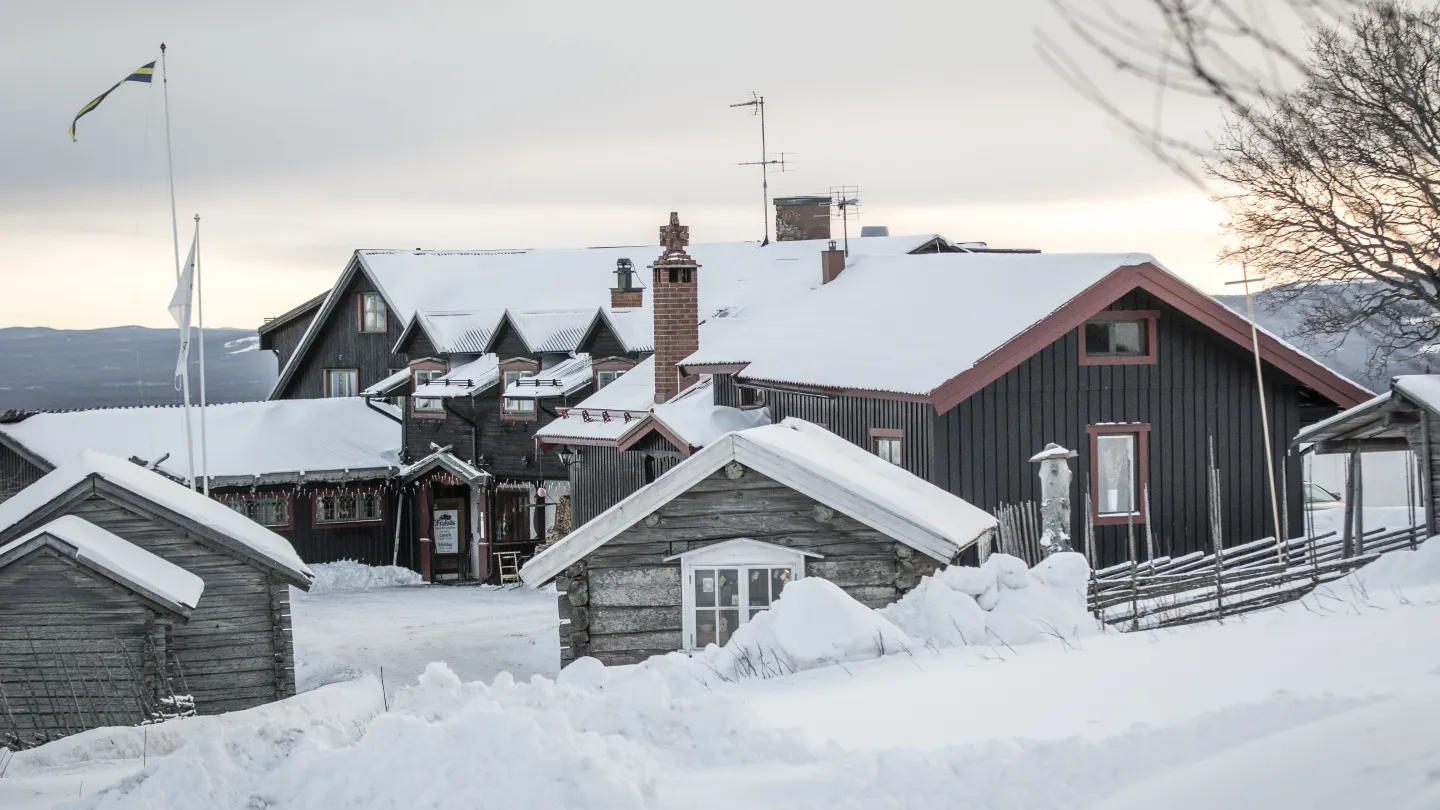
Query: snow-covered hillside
(1328, 705)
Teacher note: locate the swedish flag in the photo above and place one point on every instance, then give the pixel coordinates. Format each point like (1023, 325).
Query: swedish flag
(144, 74)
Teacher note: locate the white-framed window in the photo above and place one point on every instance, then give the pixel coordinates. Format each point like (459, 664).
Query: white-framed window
(428, 404)
(270, 511)
(342, 382)
(373, 315)
(348, 507)
(725, 585)
(1116, 473)
(516, 405)
(606, 376)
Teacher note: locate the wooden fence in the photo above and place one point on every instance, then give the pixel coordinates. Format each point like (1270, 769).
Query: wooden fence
(1165, 592)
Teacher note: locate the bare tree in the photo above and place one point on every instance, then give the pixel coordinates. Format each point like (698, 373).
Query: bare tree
(1339, 181)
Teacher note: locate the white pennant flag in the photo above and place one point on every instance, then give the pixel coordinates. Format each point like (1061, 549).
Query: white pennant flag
(180, 309)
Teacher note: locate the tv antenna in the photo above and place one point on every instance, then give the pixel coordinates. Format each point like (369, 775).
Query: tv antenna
(757, 105)
(845, 203)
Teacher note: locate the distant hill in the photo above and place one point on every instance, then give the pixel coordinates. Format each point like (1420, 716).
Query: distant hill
(55, 369)
(1350, 358)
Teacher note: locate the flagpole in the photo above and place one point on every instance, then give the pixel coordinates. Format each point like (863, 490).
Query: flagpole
(200, 303)
(185, 380)
(170, 166)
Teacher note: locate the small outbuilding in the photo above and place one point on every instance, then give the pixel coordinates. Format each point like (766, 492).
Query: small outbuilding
(236, 649)
(688, 559)
(88, 622)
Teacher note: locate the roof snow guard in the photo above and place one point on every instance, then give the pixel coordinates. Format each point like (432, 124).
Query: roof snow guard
(812, 461)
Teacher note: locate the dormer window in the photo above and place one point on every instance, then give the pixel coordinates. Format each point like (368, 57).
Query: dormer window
(373, 314)
(1118, 338)
(607, 376)
(516, 407)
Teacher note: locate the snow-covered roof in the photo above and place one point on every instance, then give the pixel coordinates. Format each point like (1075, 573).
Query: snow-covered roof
(904, 324)
(464, 380)
(732, 275)
(442, 457)
(560, 380)
(122, 560)
(812, 461)
(1422, 389)
(558, 330)
(694, 418)
(245, 439)
(256, 539)
(458, 332)
(634, 326)
(385, 386)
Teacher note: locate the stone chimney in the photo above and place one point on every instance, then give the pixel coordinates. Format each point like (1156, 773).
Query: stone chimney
(626, 293)
(832, 263)
(799, 218)
(677, 309)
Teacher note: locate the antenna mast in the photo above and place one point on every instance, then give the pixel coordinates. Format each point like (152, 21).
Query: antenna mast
(757, 105)
(845, 203)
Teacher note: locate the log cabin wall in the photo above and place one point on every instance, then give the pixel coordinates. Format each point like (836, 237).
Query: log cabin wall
(622, 603)
(77, 651)
(237, 650)
(1201, 385)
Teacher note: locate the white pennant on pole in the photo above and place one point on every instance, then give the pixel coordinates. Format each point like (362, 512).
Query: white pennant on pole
(180, 310)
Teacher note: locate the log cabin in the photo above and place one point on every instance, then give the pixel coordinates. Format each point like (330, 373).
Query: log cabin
(89, 618)
(236, 650)
(317, 472)
(686, 560)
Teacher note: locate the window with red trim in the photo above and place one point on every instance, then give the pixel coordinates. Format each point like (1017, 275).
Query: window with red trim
(1119, 338)
(887, 444)
(1119, 472)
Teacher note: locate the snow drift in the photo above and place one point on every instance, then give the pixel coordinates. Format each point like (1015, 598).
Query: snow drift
(349, 575)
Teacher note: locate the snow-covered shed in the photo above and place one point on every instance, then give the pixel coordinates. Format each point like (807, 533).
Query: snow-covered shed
(88, 622)
(316, 471)
(236, 651)
(684, 561)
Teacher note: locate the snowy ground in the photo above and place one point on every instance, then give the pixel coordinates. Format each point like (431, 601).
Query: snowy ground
(1330, 705)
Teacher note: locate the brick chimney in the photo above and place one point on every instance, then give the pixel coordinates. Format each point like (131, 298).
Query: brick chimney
(677, 309)
(799, 218)
(832, 263)
(626, 293)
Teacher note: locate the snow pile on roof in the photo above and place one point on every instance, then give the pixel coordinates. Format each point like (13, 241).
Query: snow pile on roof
(1001, 602)
(561, 379)
(161, 490)
(349, 575)
(694, 417)
(382, 388)
(467, 379)
(609, 413)
(120, 556)
(1423, 389)
(814, 624)
(905, 324)
(245, 438)
(634, 326)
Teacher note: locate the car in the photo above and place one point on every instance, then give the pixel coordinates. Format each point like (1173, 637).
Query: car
(1318, 497)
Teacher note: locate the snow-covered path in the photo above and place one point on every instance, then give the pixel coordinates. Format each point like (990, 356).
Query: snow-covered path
(478, 631)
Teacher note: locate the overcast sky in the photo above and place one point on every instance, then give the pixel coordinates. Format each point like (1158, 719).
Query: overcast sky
(305, 130)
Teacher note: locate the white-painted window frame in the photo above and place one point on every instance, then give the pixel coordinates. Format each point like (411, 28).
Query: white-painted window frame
(428, 404)
(352, 386)
(741, 554)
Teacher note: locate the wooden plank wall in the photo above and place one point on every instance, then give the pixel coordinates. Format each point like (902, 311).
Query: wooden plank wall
(15, 472)
(227, 652)
(74, 651)
(631, 607)
(1201, 385)
(341, 344)
(605, 476)
(370, 543)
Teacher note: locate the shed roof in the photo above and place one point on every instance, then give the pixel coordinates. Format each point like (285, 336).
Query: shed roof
(466, 379)
(1373, 418)
(119, 560)
(246, 439)
(257, 541)
(811, 460)
(561, 379)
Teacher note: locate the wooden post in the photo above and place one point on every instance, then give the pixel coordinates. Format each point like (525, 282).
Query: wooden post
(1347, 535)
(426, 549)
(1359, 468)
(482, 536)
(1427, 480)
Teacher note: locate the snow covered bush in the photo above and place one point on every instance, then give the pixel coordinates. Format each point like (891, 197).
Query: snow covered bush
(349, 575)
(1001, 602)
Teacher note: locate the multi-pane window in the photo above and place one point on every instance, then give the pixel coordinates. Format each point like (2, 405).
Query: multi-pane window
(887, 447)
(428, 404)
(342, 382)
(726, 598)
(348, 507)
(728, 584)
(1117, 338)
(1116, 473)
(373, 316)
(517, 404)
(606, 376)
(269, 511)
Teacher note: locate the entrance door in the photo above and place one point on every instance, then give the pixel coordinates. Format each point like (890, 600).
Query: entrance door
(512, 527)
(450, 531)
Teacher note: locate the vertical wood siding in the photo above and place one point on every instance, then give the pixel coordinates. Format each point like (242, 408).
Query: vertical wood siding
(372, 544)
(340, 344)
(1202, 385)
(15, 472)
